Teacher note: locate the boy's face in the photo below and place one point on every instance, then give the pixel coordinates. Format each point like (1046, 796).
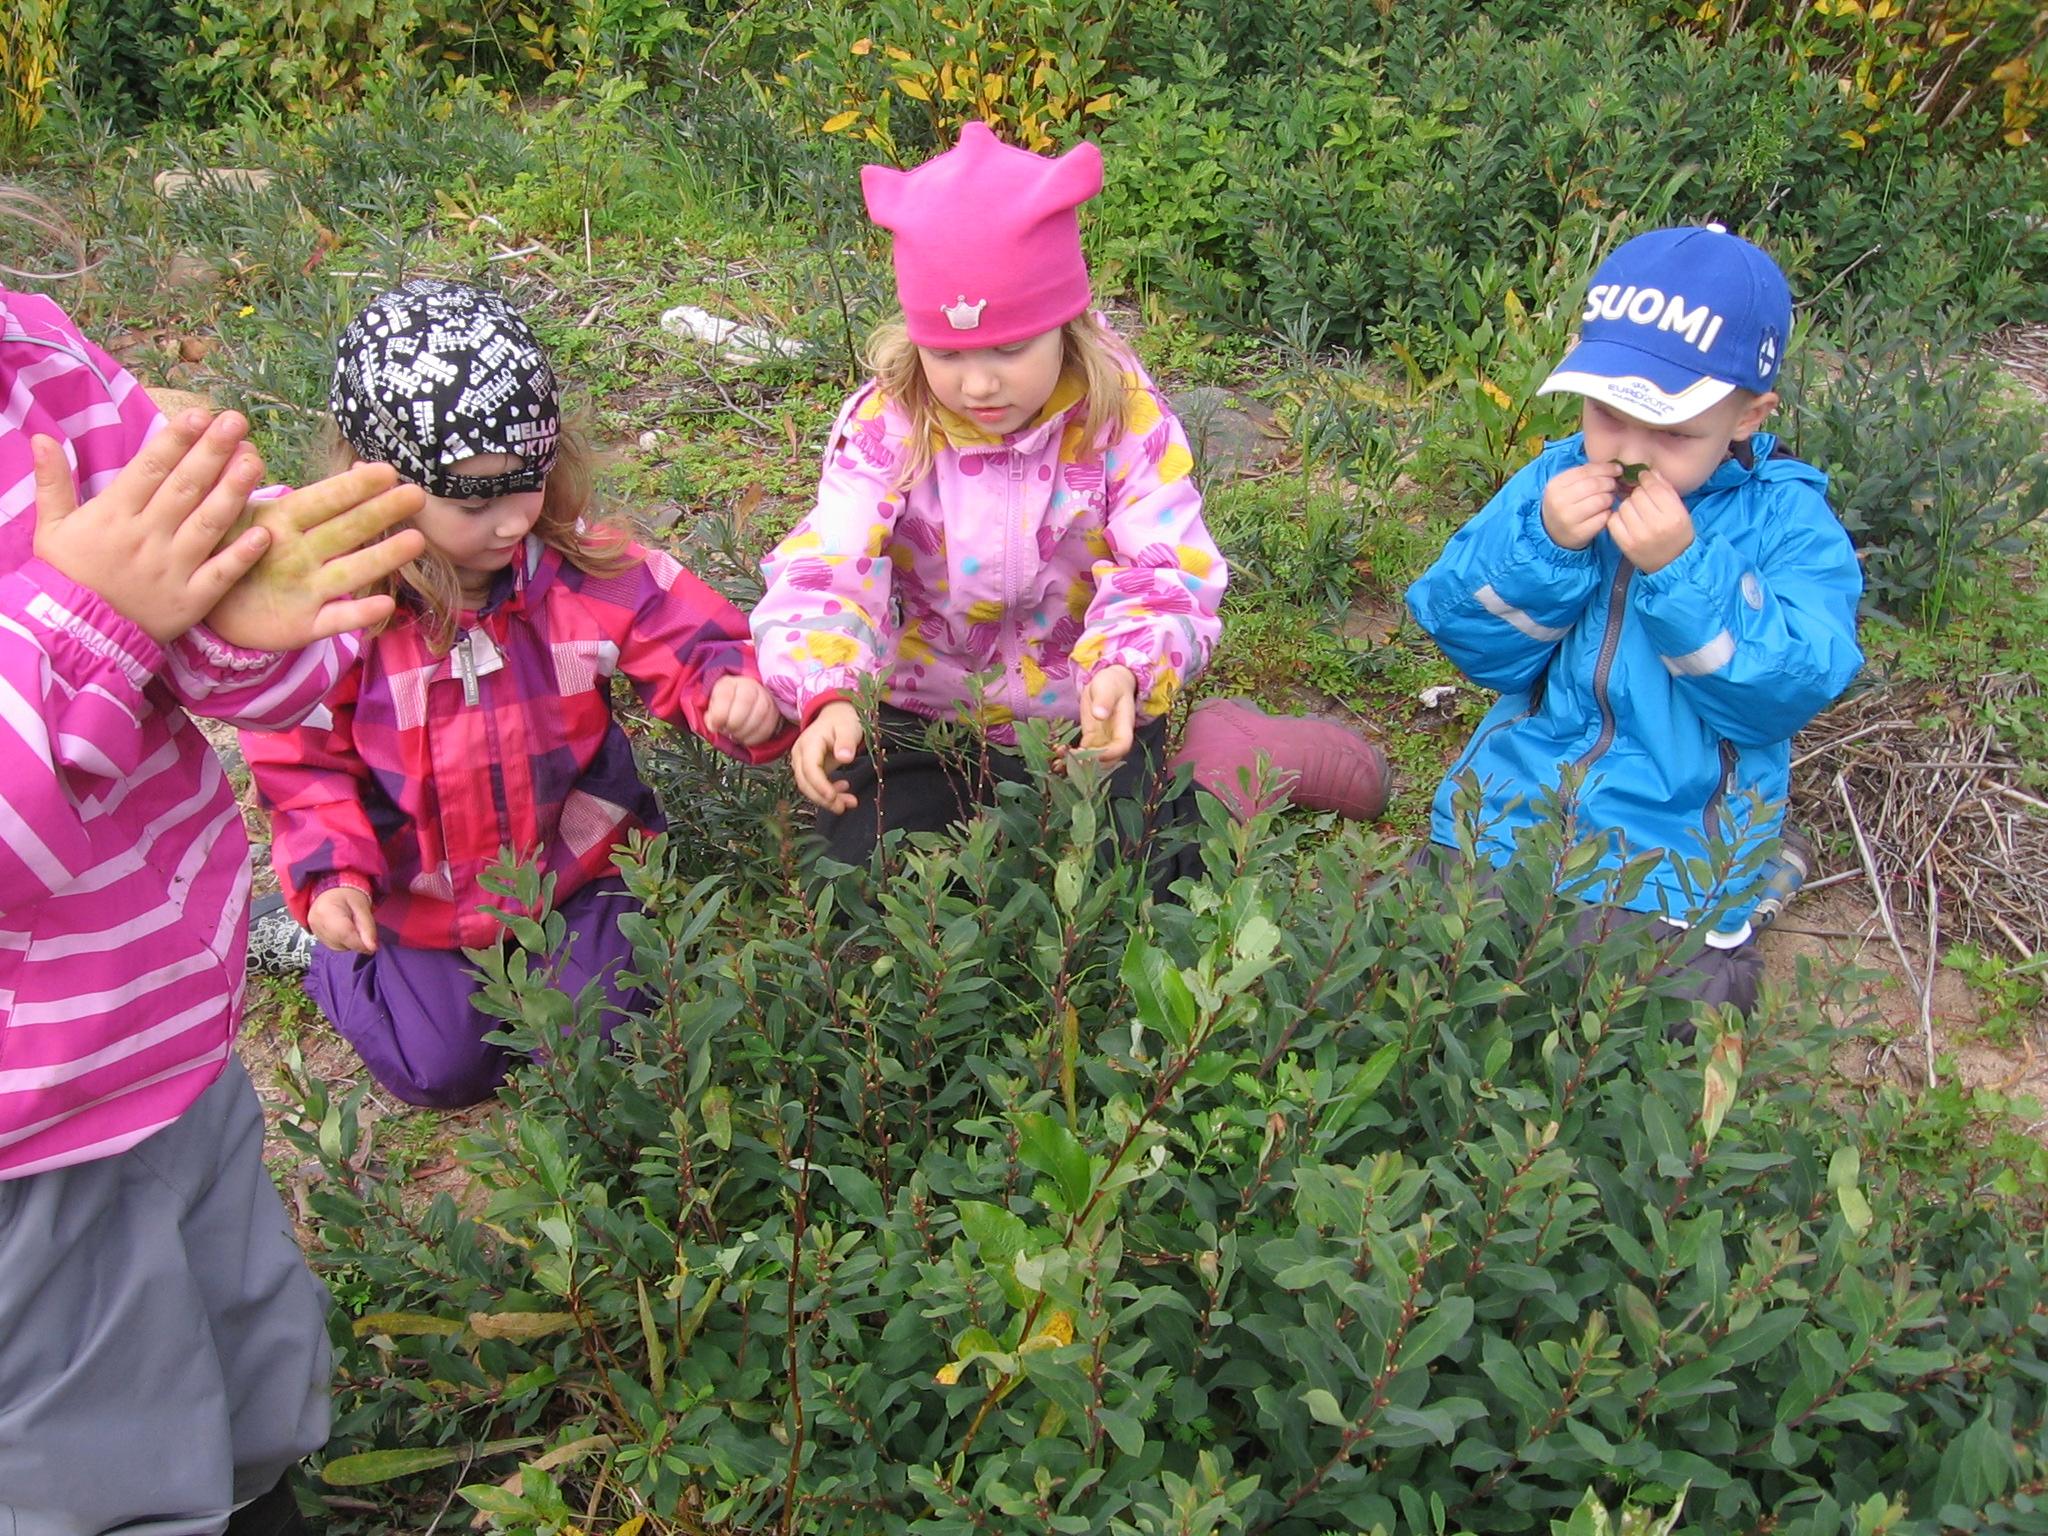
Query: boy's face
(1687, 452)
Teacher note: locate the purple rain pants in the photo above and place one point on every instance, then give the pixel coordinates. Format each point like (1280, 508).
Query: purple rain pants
(409, 1012)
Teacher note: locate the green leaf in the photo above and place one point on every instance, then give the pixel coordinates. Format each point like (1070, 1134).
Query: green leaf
(1640, 1323)
(1165, 1005)
(716, 1108)
(399, 1325)
(1043, 1143)
(1443, 1326)
(998, 1237)
(657, 1354)
(493, 1500)
(1323, 1407)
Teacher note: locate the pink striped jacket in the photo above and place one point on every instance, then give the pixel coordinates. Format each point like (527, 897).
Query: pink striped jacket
(124, 869)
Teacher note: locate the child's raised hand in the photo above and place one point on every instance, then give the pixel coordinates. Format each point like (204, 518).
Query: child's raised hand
(340, 918)
(827, 744)
(1109, 708)
(1577, 503)
(1652, 527)
(151, 542)
(324, 545)
(742, 710)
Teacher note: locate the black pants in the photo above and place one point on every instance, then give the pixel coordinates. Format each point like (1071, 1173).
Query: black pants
(902, 779)
(1712, 976)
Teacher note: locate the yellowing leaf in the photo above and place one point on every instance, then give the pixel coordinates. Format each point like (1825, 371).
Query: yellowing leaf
(398, 1325)
(1102, 104)
(900, 55)
(1495, 393)
(914, 90)
(949, 1373)
(839, 121)
(519, 1325)
(1724, 1074)
(1057, 1329)
(862, 48)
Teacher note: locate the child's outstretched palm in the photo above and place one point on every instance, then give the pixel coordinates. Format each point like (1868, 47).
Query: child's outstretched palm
(324, 545)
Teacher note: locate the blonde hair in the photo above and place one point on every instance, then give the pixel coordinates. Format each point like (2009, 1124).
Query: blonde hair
(599, 546)
(18, 205)
(1089, 350)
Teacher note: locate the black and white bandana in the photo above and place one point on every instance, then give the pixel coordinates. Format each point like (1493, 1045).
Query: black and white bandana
(434, 373)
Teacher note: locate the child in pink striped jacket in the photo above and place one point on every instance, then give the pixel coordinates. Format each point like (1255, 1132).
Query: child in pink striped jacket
(151, 1292)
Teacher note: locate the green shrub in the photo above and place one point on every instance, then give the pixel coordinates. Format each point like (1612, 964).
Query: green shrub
(1334, 1198)
(1929, 471)
(1906, 67)
(1379, 167)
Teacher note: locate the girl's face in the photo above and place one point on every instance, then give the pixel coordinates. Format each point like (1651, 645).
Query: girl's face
(480, 538)
(1000, 389)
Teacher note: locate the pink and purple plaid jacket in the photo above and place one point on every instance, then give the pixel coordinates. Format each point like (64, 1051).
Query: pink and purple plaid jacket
(124, 870)
(420, 769)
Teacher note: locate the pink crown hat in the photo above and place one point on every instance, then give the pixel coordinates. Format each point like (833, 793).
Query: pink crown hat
(988, 246)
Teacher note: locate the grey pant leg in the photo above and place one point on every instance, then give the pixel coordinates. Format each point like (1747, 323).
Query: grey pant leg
(164, 1353)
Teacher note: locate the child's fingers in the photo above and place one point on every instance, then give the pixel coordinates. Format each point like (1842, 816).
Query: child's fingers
(314, 506)
(348, 613)
(214, 519)
(338, 530)
(158, 457)
(210, 583)
(369, 565)
(56, 489)
(198, 471)
(365, 924)
(718, 710)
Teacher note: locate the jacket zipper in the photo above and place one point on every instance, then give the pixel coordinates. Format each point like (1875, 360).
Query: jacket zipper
(1609, 643)
(1012, 679)
(1710, 818)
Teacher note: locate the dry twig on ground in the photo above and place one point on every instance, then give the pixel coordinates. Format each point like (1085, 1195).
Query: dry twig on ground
(1957, 841)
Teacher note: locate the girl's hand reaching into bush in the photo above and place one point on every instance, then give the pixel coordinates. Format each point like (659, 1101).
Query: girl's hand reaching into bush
(826, 745)
(340, 918)
(1109, 707)
(741, 710)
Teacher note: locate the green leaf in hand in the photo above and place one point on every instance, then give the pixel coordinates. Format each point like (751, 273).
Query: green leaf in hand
(1632, 474)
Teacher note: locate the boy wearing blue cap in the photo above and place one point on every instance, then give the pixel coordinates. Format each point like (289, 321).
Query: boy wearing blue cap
(1662, 599)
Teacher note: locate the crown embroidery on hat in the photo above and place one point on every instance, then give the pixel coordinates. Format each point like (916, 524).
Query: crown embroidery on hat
(961, 315)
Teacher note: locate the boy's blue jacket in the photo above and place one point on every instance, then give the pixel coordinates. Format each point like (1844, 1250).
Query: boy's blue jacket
(1679, 691)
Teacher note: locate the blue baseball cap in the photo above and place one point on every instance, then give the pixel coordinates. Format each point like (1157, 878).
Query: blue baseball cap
(1677, 320)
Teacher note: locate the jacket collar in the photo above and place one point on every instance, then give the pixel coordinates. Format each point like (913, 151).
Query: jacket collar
(964, 436)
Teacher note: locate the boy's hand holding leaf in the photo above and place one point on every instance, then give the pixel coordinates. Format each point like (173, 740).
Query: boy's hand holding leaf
(326, 544)
(1651, 527)
(1577, 502)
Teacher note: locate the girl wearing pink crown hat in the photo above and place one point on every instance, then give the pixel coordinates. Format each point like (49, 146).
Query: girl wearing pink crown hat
(1008, 498)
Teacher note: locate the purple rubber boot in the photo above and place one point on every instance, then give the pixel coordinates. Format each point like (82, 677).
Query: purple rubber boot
(1321, 765)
